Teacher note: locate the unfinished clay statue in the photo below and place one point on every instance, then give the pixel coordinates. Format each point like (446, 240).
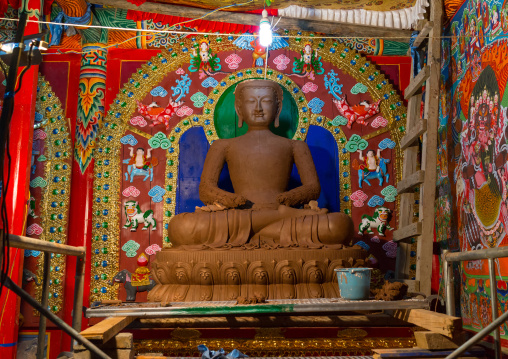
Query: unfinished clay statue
(261, 213)
(263, 240)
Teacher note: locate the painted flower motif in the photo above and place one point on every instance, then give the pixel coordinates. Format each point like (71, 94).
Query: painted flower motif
(130, 248)
(356, 143)
(281, 62)
(359, 197)
(138, 121)
(131, 191)
(184, 111)
(152, 249)
(233, 61)
(309, 87)
(34, 229)
(379, 121)
(129, 140)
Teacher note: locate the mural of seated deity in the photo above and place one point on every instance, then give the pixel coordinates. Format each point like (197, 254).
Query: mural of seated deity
(264, 232)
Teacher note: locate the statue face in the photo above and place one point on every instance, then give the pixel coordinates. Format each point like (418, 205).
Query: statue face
(258, 106)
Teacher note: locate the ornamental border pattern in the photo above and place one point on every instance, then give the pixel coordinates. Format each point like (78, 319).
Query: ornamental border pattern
(274, 347)
(56, 194)
(108, 171)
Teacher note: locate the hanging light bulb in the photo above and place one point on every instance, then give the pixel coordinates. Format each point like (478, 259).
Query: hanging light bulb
(265, 30)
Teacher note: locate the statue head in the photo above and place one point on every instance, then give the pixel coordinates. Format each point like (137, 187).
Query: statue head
(259, 103)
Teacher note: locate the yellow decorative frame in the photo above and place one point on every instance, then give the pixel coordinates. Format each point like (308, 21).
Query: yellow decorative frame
(56, 194)
(108, 172)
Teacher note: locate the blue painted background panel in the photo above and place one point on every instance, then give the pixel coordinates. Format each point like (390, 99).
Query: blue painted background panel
(323, 148)
(193, 149)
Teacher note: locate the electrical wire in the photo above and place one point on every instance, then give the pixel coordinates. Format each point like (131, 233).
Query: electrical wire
(151, 32)
(27, 67)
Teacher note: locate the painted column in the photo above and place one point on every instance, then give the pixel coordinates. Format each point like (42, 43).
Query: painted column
(20, 148)
(92, 87)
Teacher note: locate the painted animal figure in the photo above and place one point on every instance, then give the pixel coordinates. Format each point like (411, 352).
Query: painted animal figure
(29, 276)
(357, 113)
(378, 221)
(132, 171)
(162, 116)
(135, 216)
(124, 276)
(381, 174)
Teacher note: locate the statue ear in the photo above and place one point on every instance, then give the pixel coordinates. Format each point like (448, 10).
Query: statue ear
(240, 122)
(276, 123)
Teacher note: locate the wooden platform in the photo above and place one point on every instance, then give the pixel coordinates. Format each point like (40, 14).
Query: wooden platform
(289, 306)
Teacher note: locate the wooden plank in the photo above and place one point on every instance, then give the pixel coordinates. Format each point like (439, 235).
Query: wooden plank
(410, 182)
(327, 27)
(414, 108)
(119, 341)
(107, 329)
(278, 321)
(435, 341)
(424, 250)
(413, 134)
(406, 210)
(412, 230)
(436, 322)
(422, 35)
(417, 82)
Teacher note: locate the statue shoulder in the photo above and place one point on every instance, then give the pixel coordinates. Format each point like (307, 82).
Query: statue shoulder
(299, 146)
(220, 144)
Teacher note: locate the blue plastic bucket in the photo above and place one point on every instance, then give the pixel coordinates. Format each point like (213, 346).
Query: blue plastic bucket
(354, 283)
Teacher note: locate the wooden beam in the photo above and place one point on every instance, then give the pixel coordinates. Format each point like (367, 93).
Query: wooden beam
(435, 341)
(436, 322)
(415, 86)
(107, 329)
(326, 27)
(410, 182)
(422, 35)
(413, 134)
(412, 230)
(270, 321)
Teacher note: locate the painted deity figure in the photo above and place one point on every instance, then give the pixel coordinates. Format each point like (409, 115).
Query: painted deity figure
(204, 56)
(373, 167)
(262, 212)
(140, 160)
(495, 24)
(204, 61)
(484, 155)
(140, 164)
(308, 64)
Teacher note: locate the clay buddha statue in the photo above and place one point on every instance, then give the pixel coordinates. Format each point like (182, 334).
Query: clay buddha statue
(262, 212)
(263, 239)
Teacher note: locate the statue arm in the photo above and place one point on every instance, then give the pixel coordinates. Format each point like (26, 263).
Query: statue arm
(310, 188)
(209, 191)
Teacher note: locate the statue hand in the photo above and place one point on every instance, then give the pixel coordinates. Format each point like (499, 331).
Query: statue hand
(239, 200)
(284, 199)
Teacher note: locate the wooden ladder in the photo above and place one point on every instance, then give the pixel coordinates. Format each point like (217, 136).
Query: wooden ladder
(426, 127)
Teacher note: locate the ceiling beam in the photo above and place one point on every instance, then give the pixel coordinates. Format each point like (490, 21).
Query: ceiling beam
(327, 27)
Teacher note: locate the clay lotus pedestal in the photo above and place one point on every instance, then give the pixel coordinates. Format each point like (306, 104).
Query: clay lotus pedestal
(273, 274)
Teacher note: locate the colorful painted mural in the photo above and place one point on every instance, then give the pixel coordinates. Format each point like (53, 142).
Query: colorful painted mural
(472, 161)
(150, 152)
